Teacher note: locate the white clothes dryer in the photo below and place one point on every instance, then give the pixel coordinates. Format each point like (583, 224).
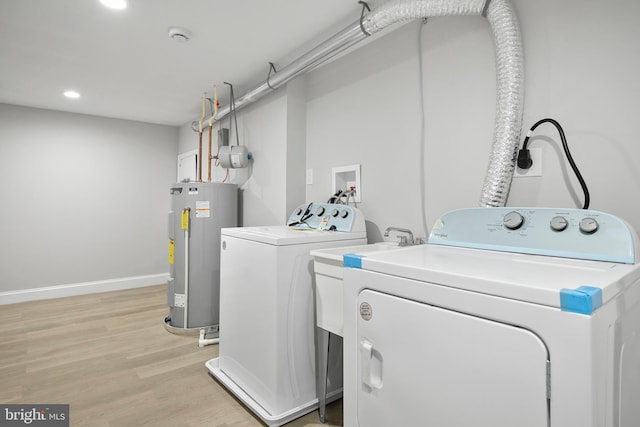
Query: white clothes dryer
(267, 326)
(525, 317)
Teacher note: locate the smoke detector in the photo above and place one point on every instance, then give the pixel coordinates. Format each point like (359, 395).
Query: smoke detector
(180, 35)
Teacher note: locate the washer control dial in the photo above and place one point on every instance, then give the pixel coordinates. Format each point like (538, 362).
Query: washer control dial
(589, 225)
(559, 223)
(344, 214)
(319, 211)
(334, 213)
(513, 220)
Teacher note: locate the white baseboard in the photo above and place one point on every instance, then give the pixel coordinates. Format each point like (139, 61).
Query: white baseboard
(49, 292)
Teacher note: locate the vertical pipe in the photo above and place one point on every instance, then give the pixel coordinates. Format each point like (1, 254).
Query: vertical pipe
(200, 156)
(214, 113)
(209, 152)
(186, 277)
(185, 225)
(204, 111)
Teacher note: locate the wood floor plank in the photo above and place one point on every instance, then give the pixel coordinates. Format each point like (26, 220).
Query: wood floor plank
(109, 357)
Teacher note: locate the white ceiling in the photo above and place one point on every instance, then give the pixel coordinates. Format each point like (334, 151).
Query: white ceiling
(126, 66)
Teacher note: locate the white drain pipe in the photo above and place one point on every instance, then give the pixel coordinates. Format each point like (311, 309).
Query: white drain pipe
(509, 67)
(202, 341)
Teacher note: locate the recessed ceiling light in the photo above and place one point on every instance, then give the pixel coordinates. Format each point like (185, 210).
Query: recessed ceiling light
(71, 94)
(115, 4)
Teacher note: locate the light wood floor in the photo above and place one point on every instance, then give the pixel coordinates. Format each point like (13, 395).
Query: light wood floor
(109, 357)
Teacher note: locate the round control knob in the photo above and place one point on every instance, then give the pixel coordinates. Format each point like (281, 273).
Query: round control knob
(558, 223)
(320, 210)
(513, 220)
(344, 214)
(298, 212)
(334, 213)
(589, 225)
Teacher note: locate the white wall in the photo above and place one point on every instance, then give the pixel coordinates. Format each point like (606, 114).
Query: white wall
(273, 130)
(582, 63)
(584, 72)
(85, 198)
(85, 201)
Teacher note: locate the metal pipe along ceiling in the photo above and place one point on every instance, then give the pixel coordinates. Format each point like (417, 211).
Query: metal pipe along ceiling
(316, 56)
(509, 68)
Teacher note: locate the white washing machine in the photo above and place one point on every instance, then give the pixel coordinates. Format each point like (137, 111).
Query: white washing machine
(267, 350)
(509, 317)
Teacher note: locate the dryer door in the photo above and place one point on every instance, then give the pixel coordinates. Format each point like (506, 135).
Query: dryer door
(421, 365)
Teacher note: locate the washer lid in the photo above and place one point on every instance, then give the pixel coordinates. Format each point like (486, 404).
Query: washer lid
(281, 235)
(551, 281)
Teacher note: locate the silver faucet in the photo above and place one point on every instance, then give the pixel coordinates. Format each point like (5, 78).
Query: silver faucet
(404, 240)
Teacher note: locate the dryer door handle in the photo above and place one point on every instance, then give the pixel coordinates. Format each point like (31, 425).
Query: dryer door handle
(370, 366)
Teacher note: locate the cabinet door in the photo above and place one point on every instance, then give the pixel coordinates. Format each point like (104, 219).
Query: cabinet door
(421, 365)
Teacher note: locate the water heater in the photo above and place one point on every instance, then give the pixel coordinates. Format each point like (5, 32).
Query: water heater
(198, 211)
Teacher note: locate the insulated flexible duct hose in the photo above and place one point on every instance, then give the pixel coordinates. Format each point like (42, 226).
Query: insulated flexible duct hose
(510, 76)
(509, 68)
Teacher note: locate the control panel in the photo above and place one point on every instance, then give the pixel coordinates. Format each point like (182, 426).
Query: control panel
(568, 233)
(326, 216)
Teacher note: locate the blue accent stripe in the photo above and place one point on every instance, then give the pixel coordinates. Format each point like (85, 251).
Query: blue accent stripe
(352, 260)
(583, 300)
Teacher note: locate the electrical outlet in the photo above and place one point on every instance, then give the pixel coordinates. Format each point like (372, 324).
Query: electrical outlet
(536, 166)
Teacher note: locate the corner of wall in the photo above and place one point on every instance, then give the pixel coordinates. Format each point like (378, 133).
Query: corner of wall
(296, 142)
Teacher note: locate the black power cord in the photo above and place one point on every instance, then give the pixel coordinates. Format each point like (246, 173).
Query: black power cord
(304, 217)
(232, 111)
(525, 161)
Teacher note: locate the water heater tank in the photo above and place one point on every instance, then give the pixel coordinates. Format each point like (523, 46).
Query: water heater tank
(198, 211)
